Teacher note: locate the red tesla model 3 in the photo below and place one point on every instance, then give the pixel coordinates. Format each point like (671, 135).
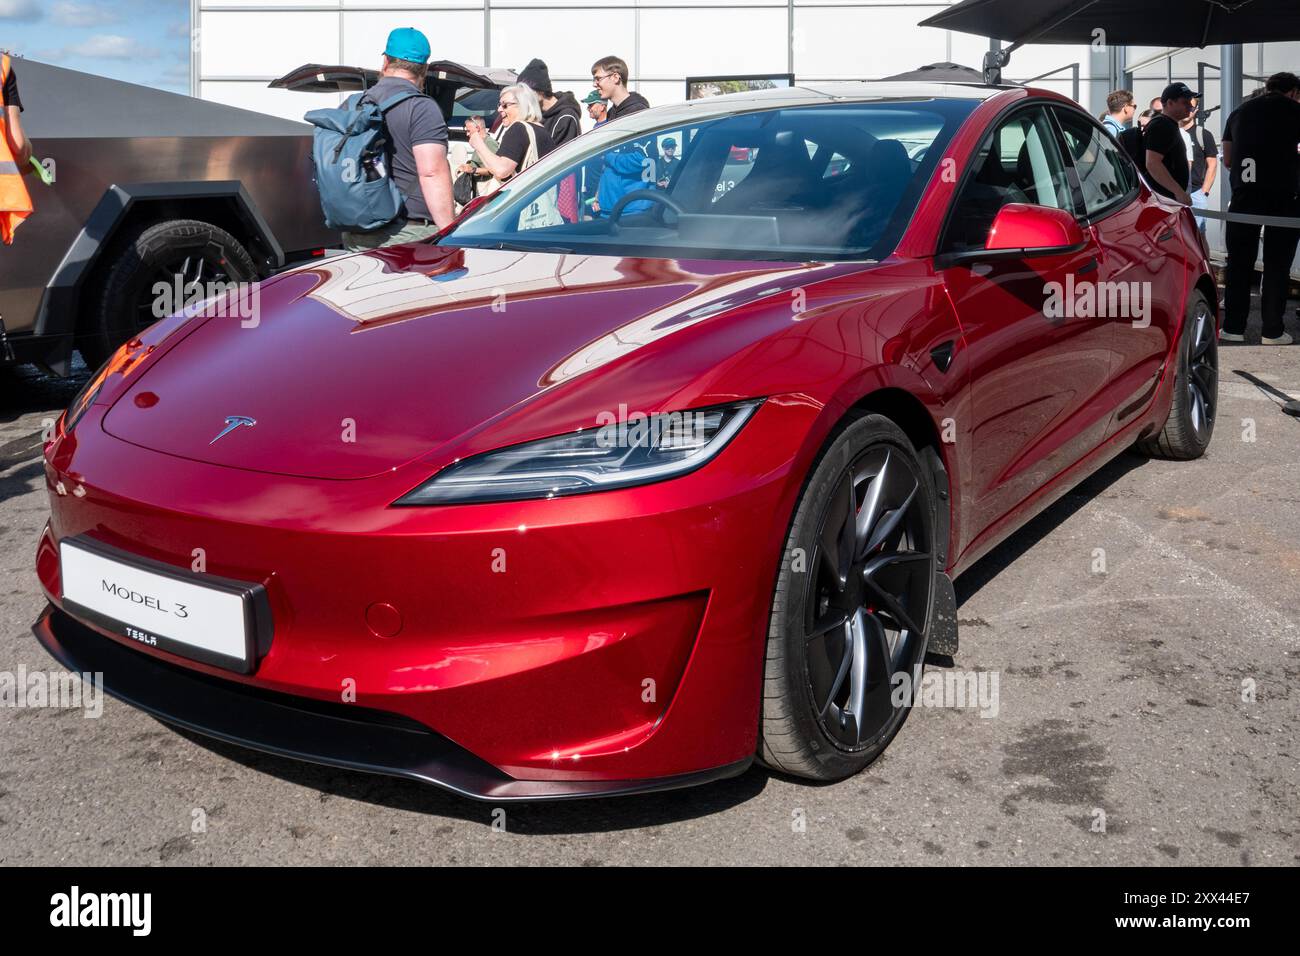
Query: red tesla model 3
(561, 505)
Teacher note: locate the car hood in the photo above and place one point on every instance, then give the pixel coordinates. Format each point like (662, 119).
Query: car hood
(354, 365)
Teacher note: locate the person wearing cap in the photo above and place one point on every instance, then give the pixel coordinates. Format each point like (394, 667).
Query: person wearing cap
(592, 168)
(1167, 163)
(597, 108)
(561, 114)
(667, 161)
(1260, 142)
(417, 134)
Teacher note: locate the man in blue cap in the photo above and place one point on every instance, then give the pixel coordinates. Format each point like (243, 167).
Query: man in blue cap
(417, 133)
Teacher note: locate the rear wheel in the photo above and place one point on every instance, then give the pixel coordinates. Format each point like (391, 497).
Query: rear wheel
(1188, 429)
(851, 606)
(183, 254)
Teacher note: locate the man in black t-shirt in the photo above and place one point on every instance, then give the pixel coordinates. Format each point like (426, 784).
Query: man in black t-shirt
(1166, 157)
(1260, 141)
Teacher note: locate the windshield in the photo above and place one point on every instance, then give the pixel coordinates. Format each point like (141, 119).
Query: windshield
(831, 181)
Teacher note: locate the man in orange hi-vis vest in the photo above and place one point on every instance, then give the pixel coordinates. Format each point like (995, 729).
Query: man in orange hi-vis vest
(15, 155)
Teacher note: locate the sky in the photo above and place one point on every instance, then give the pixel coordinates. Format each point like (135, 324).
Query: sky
(141, 41)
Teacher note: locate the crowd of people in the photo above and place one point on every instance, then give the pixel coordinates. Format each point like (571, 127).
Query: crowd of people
(532, 119)
(1261, 149)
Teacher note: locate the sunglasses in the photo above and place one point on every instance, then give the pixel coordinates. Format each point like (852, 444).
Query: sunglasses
(503, 105)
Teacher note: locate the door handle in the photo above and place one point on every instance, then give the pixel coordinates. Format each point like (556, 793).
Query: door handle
(1089, 266)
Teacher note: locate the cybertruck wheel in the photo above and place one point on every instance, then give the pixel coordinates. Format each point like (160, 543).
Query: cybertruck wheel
(187, 251)
(1188, 429)
(851, 605)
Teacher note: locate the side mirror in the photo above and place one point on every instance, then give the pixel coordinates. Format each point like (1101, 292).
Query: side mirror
(1034, 228)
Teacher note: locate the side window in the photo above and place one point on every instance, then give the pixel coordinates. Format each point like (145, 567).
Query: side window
(1018, 162)
(1105, 173)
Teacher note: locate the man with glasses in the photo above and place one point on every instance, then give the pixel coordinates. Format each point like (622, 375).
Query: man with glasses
(609, 77)
(1120, 109)
(629, 167)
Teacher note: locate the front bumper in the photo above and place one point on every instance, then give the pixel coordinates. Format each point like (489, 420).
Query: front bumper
(595, 644)
(338, 735)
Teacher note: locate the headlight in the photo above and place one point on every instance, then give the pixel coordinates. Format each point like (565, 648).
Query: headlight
(619, 451)
(119, 363)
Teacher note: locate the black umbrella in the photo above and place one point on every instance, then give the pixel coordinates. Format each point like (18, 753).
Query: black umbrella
(1164, 23)
(941, 73)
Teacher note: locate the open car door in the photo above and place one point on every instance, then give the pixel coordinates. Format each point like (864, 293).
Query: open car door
(461, 90)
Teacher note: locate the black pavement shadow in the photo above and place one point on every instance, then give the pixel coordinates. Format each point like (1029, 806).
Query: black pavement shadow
(1287, 403)
(1000, 558)
(14, 484)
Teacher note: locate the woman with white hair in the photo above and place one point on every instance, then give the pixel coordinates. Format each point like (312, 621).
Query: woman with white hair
(522, 137)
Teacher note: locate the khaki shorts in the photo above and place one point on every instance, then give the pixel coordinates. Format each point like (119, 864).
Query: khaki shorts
(394, 234)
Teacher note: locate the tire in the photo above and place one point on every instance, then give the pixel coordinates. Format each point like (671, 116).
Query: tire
(1187, 431)
(195, 251)
(823, 718)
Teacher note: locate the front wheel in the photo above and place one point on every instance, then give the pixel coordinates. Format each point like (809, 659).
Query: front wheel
(1186, 432)
(851, 606)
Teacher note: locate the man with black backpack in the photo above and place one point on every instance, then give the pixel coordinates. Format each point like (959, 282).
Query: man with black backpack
(392, 131)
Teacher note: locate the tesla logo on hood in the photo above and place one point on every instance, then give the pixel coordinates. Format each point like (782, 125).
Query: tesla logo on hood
(233, 422)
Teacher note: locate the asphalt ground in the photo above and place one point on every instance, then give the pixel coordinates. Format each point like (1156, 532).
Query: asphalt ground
(1145, 634)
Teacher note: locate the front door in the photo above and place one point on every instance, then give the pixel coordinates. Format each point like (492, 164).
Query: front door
(1039, 358)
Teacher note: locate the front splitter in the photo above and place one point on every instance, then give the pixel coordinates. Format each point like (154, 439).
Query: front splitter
(301, 728)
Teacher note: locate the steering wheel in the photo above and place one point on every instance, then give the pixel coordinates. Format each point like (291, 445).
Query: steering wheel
(654, 195)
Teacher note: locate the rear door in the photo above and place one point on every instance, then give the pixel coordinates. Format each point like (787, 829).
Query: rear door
(1142, 294)
(1038, 368)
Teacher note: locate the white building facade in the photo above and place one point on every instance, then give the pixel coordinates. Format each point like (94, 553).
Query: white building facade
(239, 46)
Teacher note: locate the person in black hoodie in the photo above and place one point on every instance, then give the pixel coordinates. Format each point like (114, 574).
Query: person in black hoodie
(561, 114)
(629, 167)
(609, 77)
